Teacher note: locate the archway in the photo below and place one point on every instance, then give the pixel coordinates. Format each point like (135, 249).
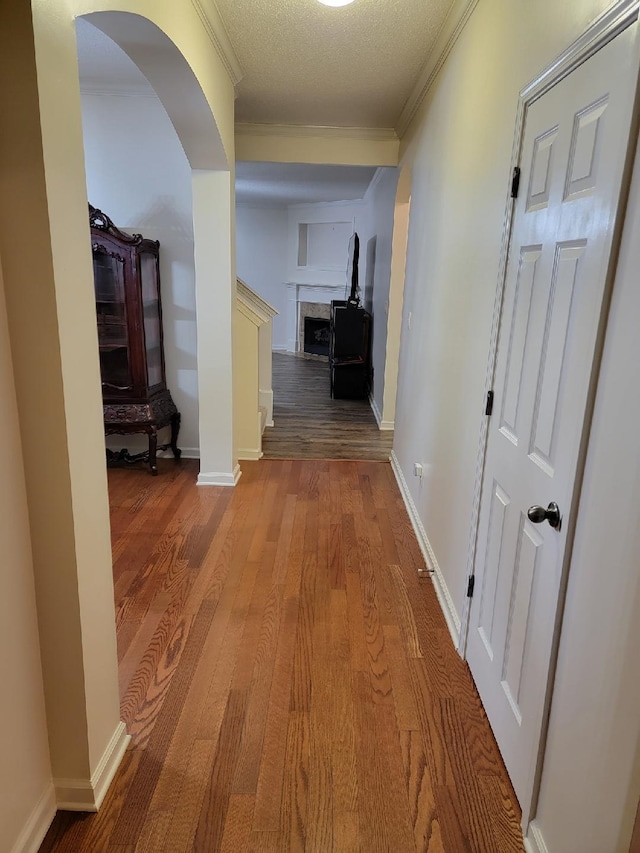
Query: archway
(173, 81)
(44, 243)
(184, 101)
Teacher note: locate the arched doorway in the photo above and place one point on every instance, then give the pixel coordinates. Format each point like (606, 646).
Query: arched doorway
(47, 263)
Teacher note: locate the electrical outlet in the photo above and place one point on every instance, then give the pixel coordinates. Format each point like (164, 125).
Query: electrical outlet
(417, 469)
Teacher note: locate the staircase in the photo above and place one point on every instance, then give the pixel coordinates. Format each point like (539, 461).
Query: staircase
(252, 386)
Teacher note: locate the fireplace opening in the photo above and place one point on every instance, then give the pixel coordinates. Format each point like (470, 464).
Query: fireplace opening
(316, 336)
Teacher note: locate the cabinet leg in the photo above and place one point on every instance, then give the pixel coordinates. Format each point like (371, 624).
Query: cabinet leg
(153, 445)
(175, 429)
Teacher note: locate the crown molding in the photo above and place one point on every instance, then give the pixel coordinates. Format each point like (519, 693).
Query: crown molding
(450, 31)
(301, 131)
(343, 202)
(135, 91)
(219, 37)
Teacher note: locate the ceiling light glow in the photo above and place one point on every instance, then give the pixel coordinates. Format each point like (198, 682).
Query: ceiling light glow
(335, 2)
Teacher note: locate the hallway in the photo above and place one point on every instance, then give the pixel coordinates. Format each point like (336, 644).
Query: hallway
(287, 678)
(310, 425)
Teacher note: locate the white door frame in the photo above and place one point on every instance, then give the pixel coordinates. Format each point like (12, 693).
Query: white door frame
(603, 30)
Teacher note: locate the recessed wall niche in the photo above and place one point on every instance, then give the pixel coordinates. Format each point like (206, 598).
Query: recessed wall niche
(324, 245)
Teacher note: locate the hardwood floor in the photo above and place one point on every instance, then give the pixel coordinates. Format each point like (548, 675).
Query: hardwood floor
(287, 678)
(310, 425)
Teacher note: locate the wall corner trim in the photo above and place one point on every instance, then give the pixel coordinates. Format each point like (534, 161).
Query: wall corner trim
(219, 478)
(38, 823)
(442, 591)
(86, 795)
(382, 425)
(534, 842)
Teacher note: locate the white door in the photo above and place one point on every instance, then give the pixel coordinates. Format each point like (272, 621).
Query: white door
(573, 152)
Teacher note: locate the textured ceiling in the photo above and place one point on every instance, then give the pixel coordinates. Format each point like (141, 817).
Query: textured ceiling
(305, 63)
(289, 183)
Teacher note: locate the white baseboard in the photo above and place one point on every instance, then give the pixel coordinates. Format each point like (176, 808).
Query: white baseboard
(249, 455)
(279, 349)
(265, 401)
(382, 425)
(187, 453)
(534, 842)
(37, 825)
(219, 478)
(109, 763)
(444, 596)
(86, 795)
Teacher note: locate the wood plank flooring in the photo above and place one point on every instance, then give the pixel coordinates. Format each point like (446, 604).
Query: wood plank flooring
(287, 678)
(310, 425)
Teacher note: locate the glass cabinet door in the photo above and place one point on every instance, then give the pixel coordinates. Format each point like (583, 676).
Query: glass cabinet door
(113, 338)
(151, 315)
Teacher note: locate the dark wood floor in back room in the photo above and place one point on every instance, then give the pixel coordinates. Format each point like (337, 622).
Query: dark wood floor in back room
(310, 425)
(286, 676)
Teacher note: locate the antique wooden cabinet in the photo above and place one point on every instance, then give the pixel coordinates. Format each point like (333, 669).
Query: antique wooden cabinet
(129, 314)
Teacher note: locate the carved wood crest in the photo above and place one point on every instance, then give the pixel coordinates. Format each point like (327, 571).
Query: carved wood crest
(100, 221)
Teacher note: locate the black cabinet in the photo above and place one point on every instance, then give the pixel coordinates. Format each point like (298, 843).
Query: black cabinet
(129, 315)
(350, 351)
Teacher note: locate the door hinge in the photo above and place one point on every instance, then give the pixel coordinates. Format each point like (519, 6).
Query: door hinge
(515, 182)
(489, 407)
(470, 585)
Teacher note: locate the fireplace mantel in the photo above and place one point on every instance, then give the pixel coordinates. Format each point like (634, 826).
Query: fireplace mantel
(297, 293)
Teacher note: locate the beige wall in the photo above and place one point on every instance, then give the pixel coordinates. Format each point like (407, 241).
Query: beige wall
(384, 304)
(45, 247)
(248, 435)
(396, 294)
(29, 206)
(284, 145)
(26, 776)
(459, 151)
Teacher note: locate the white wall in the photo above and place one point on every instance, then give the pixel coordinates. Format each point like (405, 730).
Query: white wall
(267, 253)
(357, 212)
(261, 252)
(26, 775)
(137, 173)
